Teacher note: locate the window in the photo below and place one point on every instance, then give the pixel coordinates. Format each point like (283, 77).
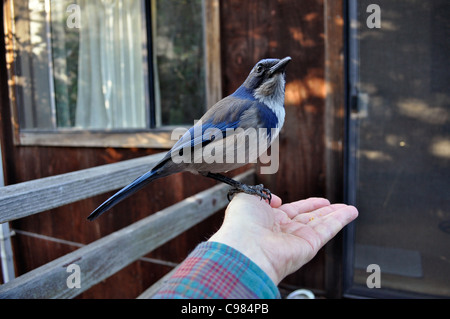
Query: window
(106, 68)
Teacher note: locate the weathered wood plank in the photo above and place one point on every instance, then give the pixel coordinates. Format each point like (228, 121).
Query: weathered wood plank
(213, 70)
(24, 199)
(106, 256)
(154, 139)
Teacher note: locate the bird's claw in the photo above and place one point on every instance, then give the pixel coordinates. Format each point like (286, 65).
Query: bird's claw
(258, 190)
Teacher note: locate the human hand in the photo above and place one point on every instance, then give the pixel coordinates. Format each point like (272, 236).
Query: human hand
(281, 238)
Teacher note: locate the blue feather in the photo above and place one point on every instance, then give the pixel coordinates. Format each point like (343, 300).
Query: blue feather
(193, 138)
(125, 192)
(267, 118)
(244, 93)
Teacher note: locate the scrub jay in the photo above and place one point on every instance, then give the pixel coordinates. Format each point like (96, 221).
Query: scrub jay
(257, 105)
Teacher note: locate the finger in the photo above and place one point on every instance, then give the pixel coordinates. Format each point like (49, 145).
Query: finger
(328, 226)
(304, 206)
(275, 201)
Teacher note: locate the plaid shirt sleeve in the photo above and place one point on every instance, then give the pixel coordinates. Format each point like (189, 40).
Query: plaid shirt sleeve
(215, 270)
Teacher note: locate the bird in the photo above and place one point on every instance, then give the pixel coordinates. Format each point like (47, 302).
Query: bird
(257, 105)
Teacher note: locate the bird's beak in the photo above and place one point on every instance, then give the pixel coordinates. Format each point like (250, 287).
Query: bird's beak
(280, 66)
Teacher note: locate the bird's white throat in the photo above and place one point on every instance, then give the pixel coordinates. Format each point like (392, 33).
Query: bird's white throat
(271, 93)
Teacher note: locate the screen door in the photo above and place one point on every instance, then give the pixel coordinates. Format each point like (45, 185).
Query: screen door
(398, 165)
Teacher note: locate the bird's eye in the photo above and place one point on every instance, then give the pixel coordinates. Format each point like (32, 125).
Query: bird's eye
(259, 69)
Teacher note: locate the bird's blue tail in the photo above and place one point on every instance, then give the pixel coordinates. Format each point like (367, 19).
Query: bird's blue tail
(128, 190)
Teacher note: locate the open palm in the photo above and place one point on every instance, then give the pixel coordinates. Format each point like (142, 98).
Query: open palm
(281, 238)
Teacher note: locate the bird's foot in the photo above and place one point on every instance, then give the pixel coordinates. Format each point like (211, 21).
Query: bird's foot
(258, 190)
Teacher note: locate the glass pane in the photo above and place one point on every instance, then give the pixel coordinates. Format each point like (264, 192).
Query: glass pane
(65, 45)
(179, 48)
(403, 155)
(81, 64)
(32, 77)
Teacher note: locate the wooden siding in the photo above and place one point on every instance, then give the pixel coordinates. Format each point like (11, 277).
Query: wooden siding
(256, 29)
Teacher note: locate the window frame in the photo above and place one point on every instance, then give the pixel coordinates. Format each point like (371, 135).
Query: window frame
(152, 137)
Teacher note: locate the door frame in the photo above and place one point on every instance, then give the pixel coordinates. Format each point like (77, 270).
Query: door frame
(350, 180)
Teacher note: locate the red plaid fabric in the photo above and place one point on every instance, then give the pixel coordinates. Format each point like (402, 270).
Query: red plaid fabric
(215, 270)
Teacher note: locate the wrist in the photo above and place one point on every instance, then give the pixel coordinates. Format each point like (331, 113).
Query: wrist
(248, 246)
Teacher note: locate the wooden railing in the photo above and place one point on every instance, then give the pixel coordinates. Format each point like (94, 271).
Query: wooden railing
(106, 256)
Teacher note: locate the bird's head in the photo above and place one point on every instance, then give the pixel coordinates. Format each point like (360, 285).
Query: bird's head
(267, 78)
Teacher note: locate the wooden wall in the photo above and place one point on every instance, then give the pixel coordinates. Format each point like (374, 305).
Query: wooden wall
(257, 29)
(250, 30)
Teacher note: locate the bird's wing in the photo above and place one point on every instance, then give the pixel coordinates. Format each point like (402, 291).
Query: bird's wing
(228, 114)
(221, 121)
